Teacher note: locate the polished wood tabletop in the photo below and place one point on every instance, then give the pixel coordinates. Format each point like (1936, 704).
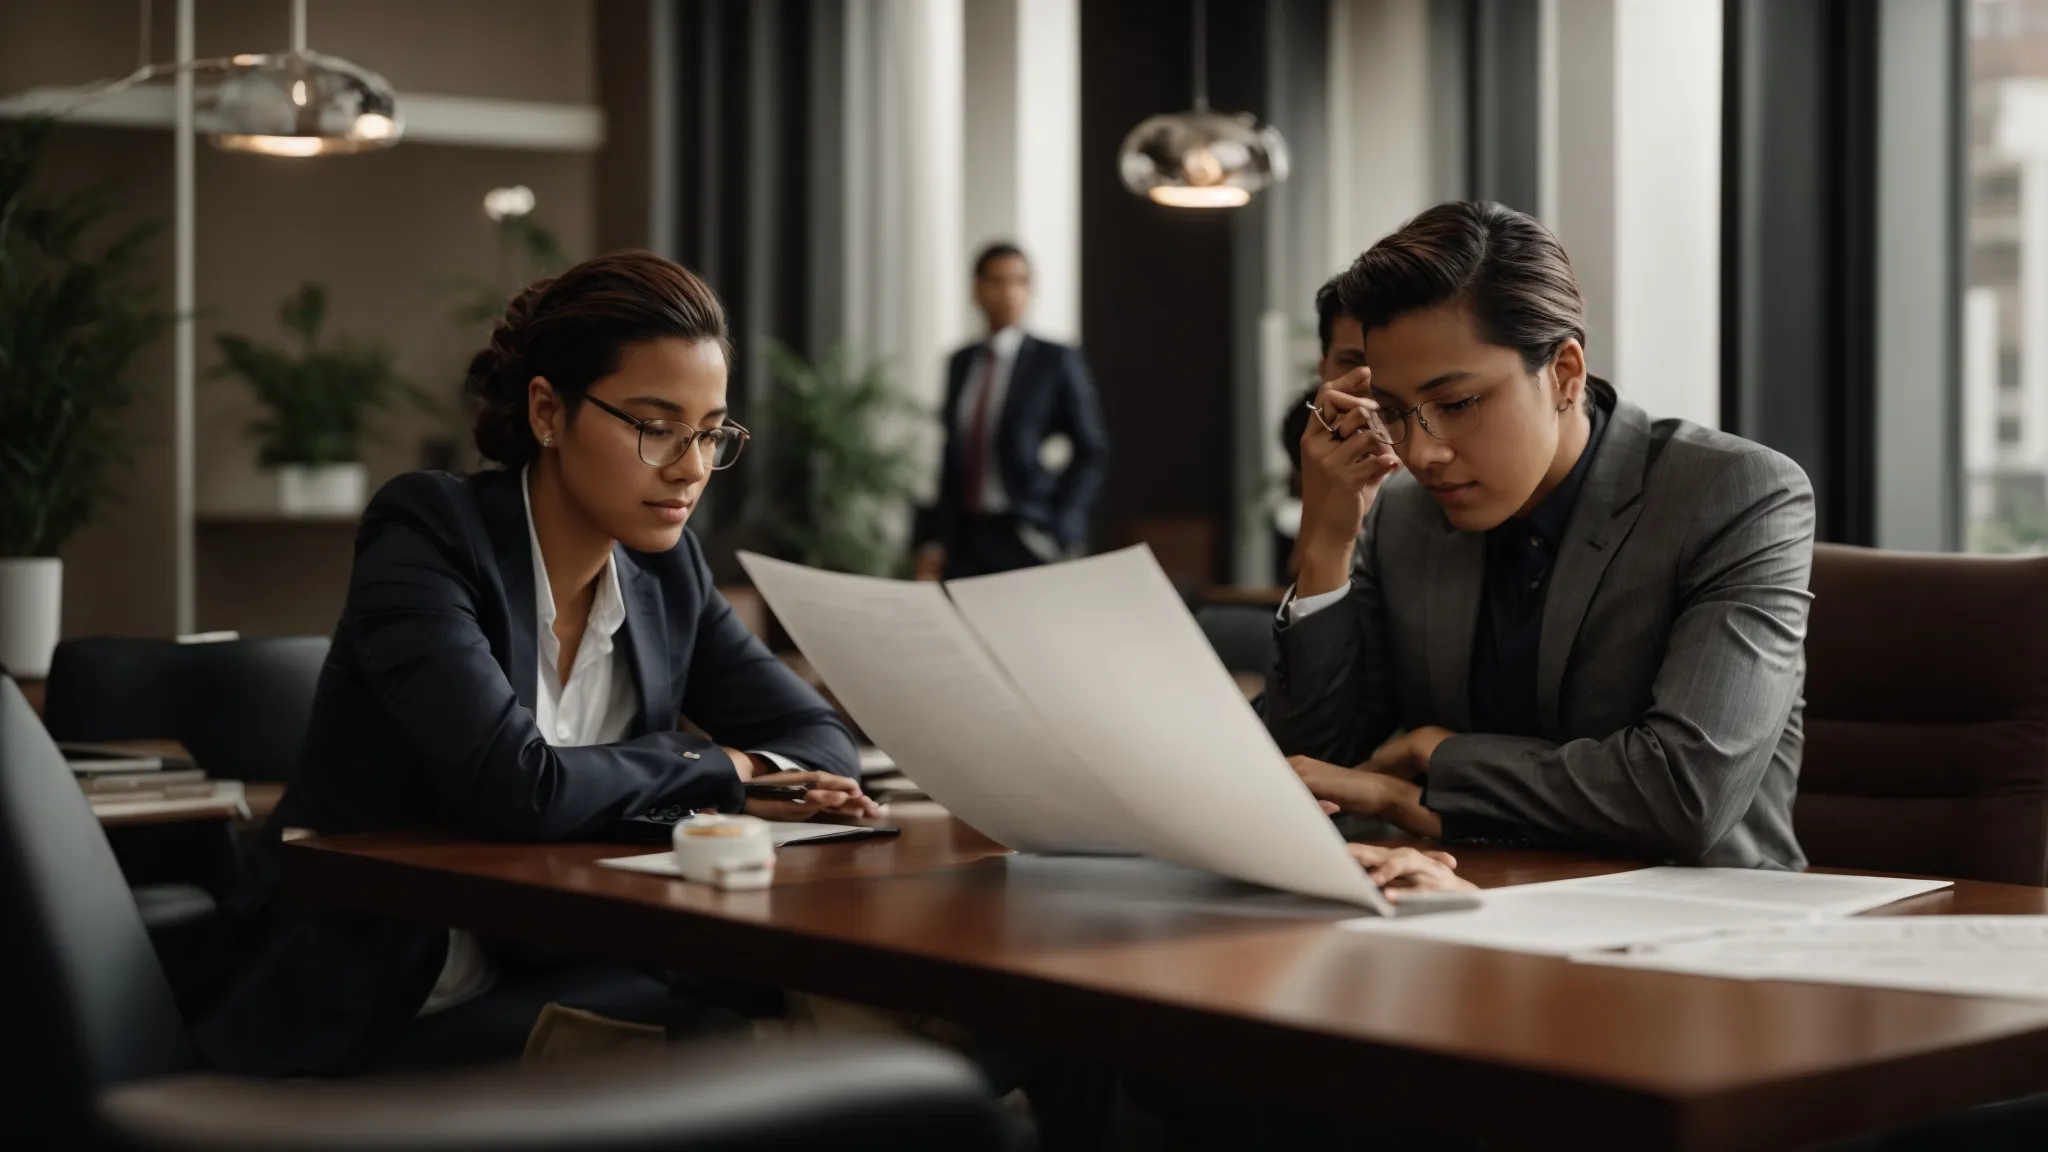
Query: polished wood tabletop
(1523, 1051)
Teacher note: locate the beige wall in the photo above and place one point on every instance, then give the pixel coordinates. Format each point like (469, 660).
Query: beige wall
(385, 233)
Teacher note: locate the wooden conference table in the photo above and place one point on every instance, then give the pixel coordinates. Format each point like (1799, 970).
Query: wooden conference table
(1522, 1051)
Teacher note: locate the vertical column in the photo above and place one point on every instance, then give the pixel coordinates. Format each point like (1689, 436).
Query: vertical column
(904, 266)
(1022, 152)
(1633, 118)
(663, 70)
(1281, 255)
(184, 296)
(1917, 293)
(1383, 156)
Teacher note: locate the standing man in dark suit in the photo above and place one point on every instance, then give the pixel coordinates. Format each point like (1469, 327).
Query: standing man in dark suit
(1004, 499)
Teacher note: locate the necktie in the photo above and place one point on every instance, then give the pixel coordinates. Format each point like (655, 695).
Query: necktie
(977, 430)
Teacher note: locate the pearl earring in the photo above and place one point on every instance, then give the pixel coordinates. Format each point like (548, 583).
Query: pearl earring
(547, 441)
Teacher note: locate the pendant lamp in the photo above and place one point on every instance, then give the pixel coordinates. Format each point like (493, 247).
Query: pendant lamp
(1202, 158)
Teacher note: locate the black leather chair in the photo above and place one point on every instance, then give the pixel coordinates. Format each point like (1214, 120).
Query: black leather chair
(135, 688)
(241, 707)
(248, 705)
(1241, 634)
(115, 688)
(110, 1065)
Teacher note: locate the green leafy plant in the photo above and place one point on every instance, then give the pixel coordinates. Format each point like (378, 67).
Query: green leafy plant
(834, 469)
(318, 395)
(71, 320)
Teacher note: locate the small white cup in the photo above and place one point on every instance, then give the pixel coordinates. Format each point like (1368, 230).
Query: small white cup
(730, 852)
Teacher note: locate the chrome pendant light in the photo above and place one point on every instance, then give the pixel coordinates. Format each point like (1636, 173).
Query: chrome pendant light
(1202, 158)
(300, 103)
(290, 103)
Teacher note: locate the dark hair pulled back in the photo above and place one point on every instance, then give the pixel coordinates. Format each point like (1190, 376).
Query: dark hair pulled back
(1502, 264)
(572, 330)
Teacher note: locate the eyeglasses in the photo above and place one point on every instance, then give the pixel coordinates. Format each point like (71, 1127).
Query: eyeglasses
(1442, 419)
(663, 442)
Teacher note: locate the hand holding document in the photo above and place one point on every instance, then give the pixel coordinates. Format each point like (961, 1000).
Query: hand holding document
(1073, 708)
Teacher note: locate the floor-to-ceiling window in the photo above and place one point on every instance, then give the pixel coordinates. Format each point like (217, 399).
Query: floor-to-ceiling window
(2005, 294)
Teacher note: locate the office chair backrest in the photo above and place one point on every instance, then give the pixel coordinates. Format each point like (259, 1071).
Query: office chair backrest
(1927, 715)
(115, 688)
(1241, 634)
(251, 701)
(79, 967)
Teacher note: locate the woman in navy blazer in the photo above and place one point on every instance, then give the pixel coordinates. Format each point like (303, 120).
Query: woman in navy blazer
(516, 653)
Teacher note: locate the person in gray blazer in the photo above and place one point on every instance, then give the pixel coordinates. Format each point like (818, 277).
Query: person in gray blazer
(1527, 612)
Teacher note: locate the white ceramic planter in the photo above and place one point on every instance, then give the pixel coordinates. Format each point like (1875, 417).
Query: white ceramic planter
(320, 489)
(31, 601)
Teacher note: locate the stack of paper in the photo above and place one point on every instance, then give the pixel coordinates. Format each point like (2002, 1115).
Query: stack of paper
(1648, 905)
(103, 759)
(207, 797)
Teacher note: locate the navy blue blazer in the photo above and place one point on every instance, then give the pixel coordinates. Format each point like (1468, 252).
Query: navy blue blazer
(1050, 392)
(424, 718)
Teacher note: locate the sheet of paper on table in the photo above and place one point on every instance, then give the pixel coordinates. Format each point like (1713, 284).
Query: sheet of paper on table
(1967, 955)
(1648, 905)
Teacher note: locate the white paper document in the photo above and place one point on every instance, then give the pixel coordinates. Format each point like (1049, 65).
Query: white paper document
(907, 668)
(1105, 650)
(1069, 708)
(1967, 955)
(1648, 905)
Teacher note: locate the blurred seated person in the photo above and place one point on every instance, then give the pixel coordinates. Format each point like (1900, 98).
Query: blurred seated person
(512, 662)
(1343, 350)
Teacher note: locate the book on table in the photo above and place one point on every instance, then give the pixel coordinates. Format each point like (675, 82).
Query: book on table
(88, 759)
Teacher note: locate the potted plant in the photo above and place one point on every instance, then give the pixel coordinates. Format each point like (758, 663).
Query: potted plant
(316, 399)
(526, 251)
(836, 475)
(71, 320)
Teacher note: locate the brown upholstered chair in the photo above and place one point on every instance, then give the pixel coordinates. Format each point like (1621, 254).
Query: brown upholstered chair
(1927, 715)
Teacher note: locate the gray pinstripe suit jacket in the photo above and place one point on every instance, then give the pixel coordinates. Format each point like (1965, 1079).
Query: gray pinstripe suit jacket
(1669, 671)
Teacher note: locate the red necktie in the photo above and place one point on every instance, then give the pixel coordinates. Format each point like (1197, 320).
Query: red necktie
(977, 431)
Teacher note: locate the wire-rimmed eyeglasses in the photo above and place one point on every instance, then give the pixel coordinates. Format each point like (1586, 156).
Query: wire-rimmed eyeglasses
(663, 442)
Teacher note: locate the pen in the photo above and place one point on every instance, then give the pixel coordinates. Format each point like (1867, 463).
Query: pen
(775, 791)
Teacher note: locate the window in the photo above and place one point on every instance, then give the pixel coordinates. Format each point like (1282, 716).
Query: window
(2005, 329)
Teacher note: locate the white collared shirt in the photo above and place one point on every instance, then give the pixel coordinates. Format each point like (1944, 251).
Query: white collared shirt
(996, 381)
(596, 705)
